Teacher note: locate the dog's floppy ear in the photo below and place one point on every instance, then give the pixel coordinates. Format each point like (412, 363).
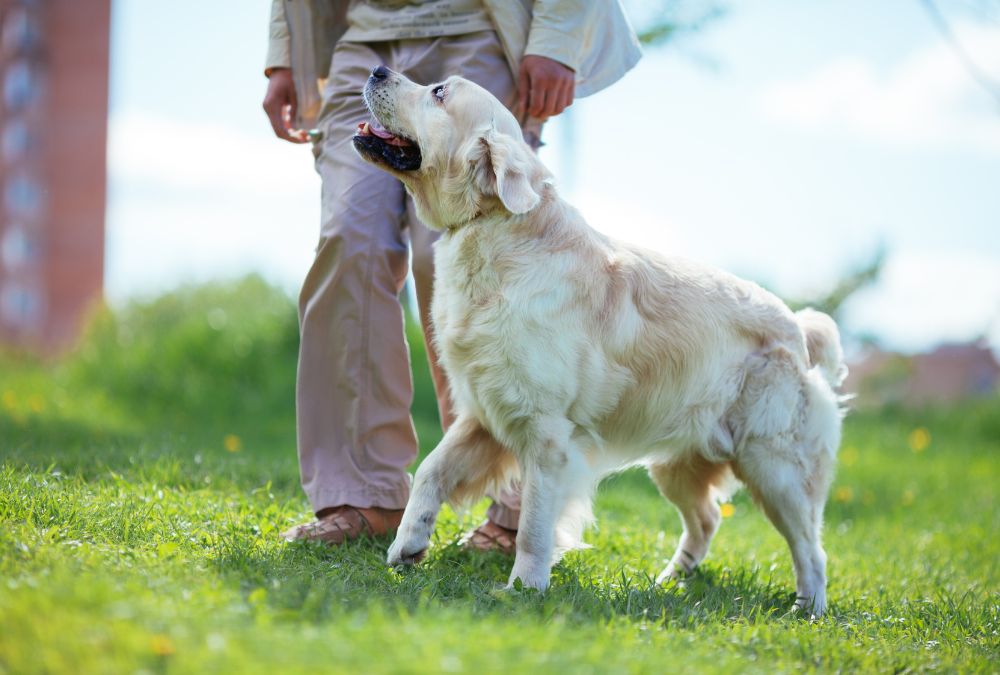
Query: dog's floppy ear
(502, 168)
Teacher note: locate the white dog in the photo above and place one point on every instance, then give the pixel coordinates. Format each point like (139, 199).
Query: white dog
(571, 355)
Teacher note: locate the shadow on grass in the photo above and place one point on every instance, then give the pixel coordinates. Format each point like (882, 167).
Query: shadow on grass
(170, 458)
(313, 582)
(40, 442)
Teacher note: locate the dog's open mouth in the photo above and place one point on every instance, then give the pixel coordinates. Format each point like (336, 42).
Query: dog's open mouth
(380, 145)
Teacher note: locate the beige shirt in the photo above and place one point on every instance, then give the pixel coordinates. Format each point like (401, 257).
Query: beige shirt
(593, 37)
(377, 20)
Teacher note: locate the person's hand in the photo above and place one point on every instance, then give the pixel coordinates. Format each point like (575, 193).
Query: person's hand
(280, 104)
(544, 88)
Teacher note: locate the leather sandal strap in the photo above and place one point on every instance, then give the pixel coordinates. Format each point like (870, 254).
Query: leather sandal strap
(500, 539)
(344, 522)
(341, 524)
(364, 522)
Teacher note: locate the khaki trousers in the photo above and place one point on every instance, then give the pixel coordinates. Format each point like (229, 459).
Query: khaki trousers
(354, 388)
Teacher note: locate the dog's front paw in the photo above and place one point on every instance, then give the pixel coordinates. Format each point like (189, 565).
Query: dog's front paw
(673, 572)
(682, 565)
(668, 574)
(539, 583)
(530, 575)
(810, 607)
(405, 553)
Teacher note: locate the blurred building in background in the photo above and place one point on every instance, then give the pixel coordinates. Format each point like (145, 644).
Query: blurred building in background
(53, 137)
(947, 374)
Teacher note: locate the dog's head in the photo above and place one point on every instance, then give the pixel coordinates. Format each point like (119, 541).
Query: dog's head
(454, 146)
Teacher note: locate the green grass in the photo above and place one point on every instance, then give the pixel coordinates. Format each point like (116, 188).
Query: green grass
(144, 480)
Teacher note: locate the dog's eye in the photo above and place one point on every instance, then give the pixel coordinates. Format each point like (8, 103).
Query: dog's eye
(439, 92)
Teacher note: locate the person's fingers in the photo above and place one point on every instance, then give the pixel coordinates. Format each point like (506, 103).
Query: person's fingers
(565, 99)
(560, 102)
(520, 114)
(554, 101)
(291, 107)
(295, 135)
(523, 91)
(532, 82)
(298, 135)
(275, 117)
(280, 108)
(274, 103)
(543, 91)
(570, 92)
(537, 98)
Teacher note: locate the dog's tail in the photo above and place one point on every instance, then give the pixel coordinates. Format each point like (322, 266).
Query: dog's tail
(823, 344)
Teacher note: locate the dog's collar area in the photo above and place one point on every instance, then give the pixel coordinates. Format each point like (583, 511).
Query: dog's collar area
(451, 229)
(547, 190)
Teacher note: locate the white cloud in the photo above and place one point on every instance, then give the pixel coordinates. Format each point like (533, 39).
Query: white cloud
(173, 154)
(629, 221)
(928, 99)
(927, 297)
(156, 244)
(189, 202)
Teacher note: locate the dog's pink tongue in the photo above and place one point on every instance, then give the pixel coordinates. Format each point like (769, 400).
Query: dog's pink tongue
(379, 130)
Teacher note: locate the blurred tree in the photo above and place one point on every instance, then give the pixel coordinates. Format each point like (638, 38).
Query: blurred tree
(831, 301)
(661, 22)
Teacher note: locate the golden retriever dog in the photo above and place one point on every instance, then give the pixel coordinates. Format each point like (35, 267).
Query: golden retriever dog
(572, 355)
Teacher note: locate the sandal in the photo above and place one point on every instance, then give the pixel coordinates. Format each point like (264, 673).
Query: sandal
(343, 523)
(490, 537)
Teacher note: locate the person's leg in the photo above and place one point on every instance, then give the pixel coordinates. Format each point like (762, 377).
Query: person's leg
(478, 57)
(354, 388)
(422, 241)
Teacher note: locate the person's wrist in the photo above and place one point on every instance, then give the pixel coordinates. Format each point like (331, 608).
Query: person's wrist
(543, 57)
(268, 72)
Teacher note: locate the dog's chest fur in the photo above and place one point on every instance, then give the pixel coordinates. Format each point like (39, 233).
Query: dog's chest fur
(501, 307)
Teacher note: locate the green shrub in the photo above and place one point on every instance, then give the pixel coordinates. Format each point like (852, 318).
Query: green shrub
(217, 356)
(218, 350)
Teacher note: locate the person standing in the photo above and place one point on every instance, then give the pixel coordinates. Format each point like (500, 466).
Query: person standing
(353, 389)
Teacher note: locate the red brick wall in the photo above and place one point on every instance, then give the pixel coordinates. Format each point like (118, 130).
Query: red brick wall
(46, 289)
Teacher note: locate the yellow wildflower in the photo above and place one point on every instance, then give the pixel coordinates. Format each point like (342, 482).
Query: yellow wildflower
(849, 456)
(232, 443)
(919, 439)
(727, 510)
(162, 645)
(36, 403)
(843, 494)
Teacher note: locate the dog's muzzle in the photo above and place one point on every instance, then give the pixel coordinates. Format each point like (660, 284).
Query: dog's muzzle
(373, 140)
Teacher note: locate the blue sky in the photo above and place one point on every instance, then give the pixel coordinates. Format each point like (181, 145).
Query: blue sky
(785, 144)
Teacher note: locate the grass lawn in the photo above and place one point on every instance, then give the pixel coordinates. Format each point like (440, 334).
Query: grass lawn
(144, 481)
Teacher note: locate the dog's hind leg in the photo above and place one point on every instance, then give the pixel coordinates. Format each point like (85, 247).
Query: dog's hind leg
(791, 487)
(688, 483)
(466, 463)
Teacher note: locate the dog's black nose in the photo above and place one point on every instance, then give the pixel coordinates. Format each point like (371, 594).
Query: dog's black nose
(380, 73)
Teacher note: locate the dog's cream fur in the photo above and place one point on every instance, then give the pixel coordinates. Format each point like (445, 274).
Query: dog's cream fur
(572, 355)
